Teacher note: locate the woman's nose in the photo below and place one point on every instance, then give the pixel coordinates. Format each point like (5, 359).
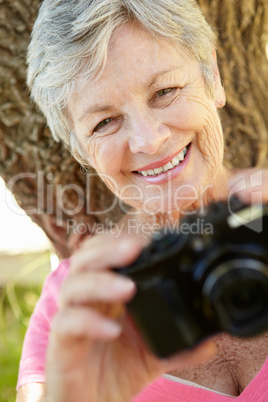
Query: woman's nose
(147, 135)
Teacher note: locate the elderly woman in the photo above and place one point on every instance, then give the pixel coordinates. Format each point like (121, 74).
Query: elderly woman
(132, 87)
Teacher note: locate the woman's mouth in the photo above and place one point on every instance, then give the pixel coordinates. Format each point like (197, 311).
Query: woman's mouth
(173, 163)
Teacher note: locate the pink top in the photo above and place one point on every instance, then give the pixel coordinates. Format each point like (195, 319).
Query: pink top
(164, 389)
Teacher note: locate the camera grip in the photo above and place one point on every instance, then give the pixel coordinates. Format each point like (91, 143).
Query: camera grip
(164, 318)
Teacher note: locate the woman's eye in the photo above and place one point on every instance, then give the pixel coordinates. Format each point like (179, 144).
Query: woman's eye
(103, 123)
(163, 92)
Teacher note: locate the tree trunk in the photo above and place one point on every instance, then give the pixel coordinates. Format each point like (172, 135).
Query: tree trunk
(51, 187)
(242, 29)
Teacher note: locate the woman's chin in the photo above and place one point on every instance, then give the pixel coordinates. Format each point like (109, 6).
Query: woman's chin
(168, 208)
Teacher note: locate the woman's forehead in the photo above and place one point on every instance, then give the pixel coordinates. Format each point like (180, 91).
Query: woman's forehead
(131, 42)
(135, 54)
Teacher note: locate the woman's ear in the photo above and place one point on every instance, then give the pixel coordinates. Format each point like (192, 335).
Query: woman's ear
(220, 98)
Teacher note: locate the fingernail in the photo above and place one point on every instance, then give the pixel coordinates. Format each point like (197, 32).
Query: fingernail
(123, 284)
(125, 245)
(111, 327)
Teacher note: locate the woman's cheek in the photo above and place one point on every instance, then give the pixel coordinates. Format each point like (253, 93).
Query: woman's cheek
(102, 153)
(210, 140)
(98, 157)
(187, 113)
(94, 151)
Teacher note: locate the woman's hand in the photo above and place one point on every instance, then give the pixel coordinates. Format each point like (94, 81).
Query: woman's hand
(95, 354)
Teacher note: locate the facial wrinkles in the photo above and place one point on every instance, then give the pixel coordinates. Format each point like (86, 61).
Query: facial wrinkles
(135, 104)
(130, 90)
(123, 86)
(210, 140)
(111, 184)
(95, 151)
(209, 137)
(102, 153)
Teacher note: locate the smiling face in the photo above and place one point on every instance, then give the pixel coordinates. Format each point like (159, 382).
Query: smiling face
(147, 123)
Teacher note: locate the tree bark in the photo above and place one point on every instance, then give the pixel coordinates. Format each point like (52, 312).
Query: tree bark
(49, 184)
(242, 29)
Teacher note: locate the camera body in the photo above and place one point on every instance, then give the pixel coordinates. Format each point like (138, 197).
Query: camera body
(193, 284)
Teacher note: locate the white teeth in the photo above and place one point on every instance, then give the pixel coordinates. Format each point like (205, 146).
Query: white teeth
(181, 156)
(175, 161)
(158, 170)
(170, 165)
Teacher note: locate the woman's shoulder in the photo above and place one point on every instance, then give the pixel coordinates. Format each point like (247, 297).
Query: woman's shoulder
(60, 273)
(48, 302)
(56, 277)
(32, 364)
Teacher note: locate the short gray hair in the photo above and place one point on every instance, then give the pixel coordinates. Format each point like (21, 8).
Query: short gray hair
(70, 39)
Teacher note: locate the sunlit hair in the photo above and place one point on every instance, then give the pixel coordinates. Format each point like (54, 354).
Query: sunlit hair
(70, 40)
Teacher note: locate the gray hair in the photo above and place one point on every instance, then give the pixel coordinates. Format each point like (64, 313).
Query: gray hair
(70, 39)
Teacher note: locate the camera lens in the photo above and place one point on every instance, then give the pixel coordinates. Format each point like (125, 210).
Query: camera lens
(237, 291)
(245, 299)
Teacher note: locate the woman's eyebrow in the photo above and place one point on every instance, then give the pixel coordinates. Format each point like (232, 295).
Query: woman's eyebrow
(159, 74)
(95, 109)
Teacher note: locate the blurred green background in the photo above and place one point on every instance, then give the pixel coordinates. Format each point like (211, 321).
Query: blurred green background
(18, 295)
(26, 259)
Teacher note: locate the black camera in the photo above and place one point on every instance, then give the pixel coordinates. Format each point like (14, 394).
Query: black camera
(208, 275)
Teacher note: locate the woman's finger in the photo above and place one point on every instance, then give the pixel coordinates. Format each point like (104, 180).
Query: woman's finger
(94, 286)
(83, 323)
(104, 252)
